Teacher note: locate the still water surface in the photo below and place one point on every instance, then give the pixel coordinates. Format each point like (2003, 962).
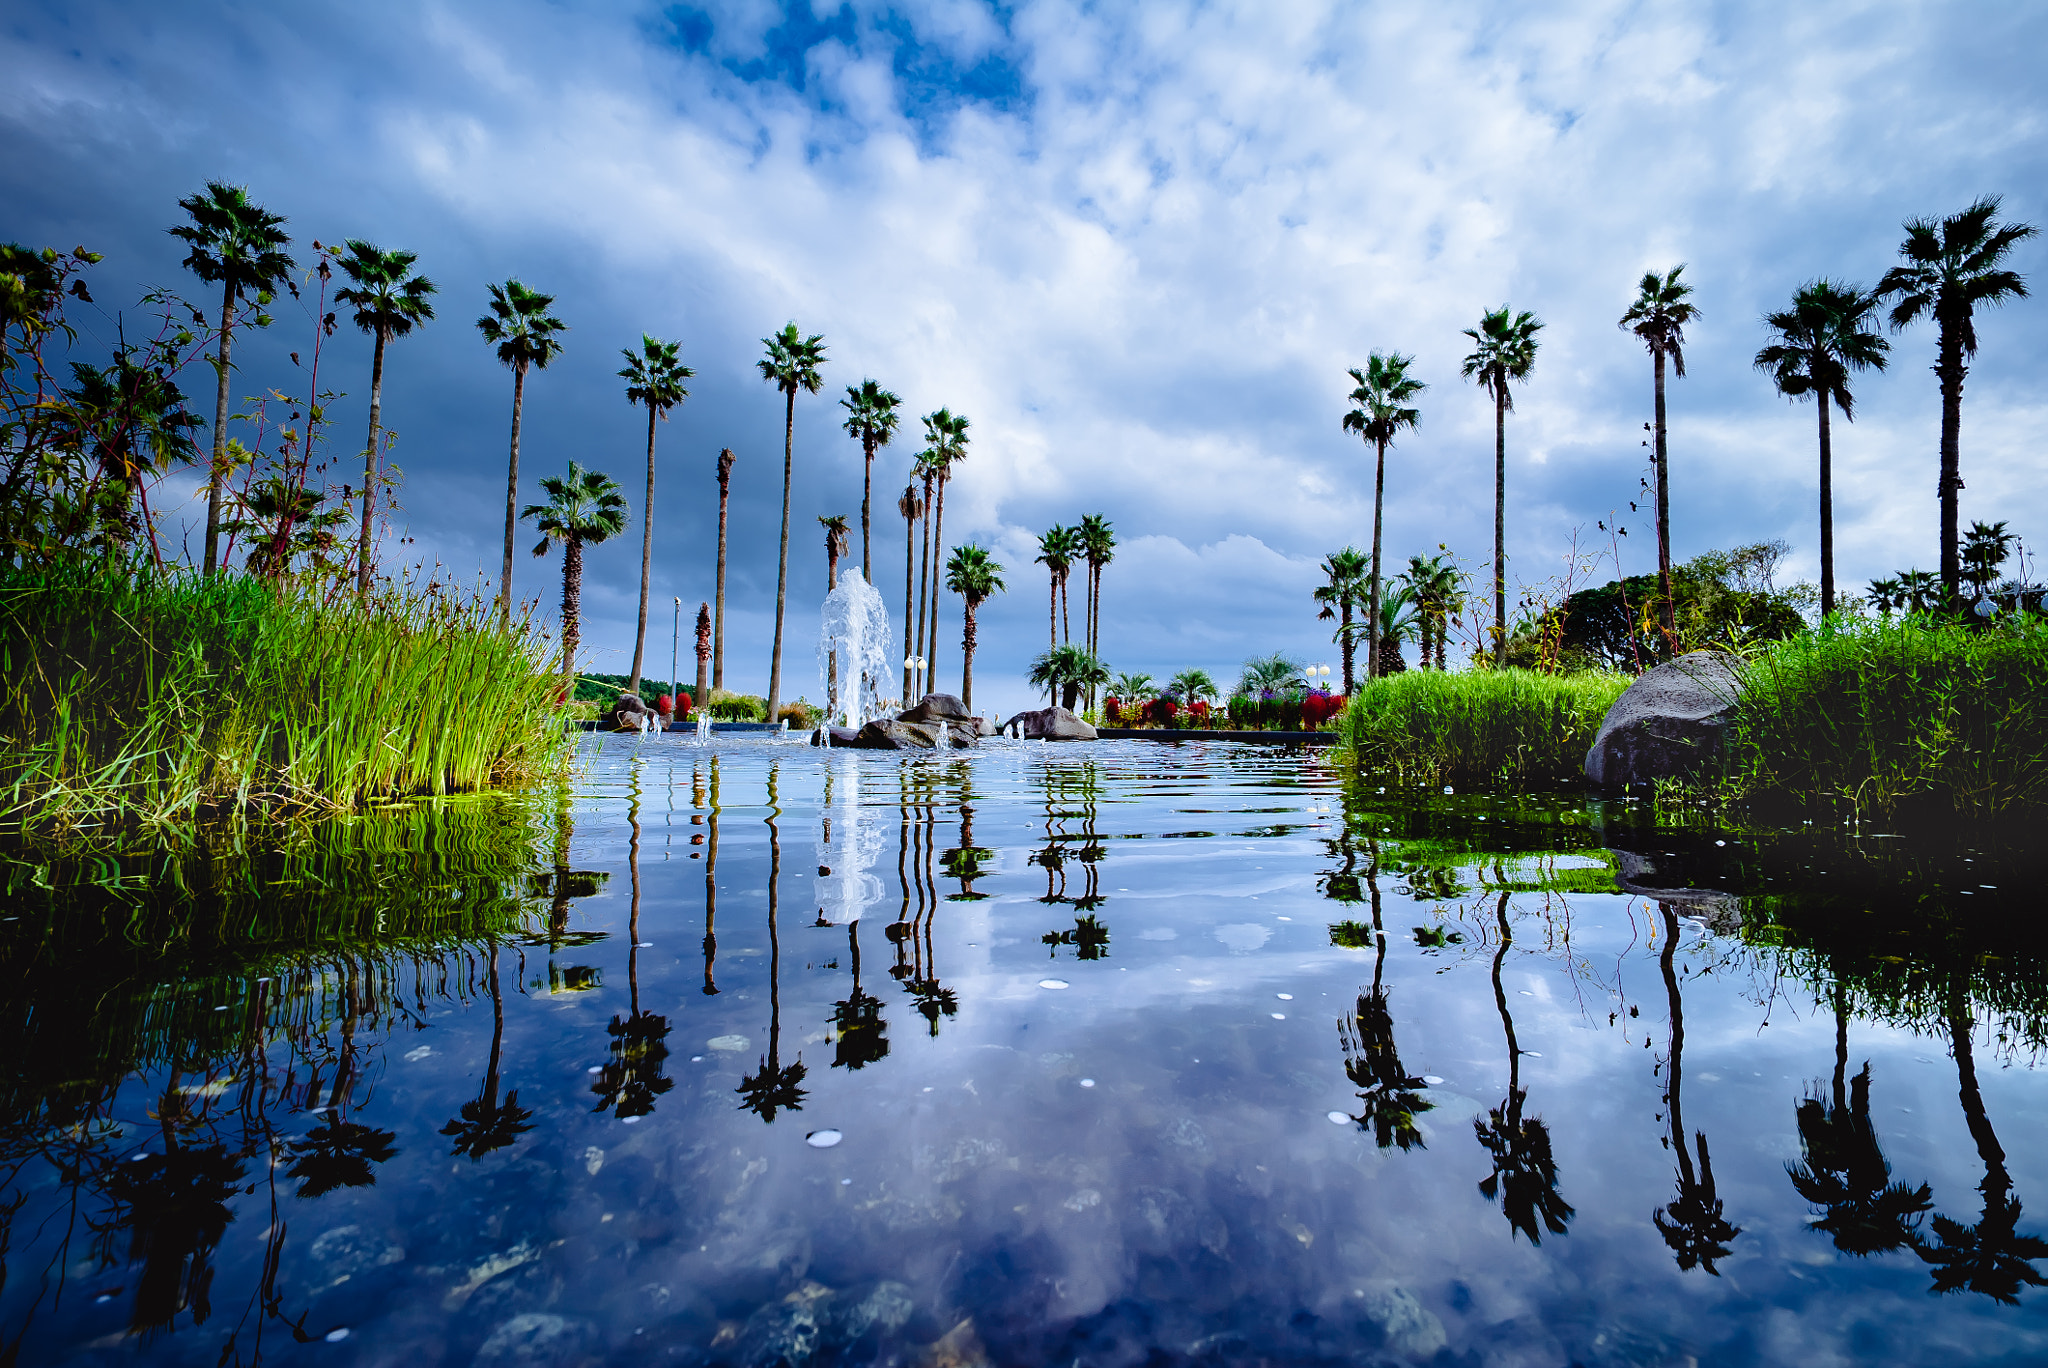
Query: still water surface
(1107, 1054)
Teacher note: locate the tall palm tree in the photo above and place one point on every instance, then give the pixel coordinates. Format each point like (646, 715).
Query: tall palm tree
(238, 245)
(1524, 1176)
(772, 1087)
(1055, 554)
(524, 332)
(835, 547)
(791, 364)
(871, 420)
(927, 470)
(725, 460)
(1434, 582)
(1692, 1225)
(1662, 307)
(1384, 390)
(1346, 587)
(584, 508)
(946, 435)
(390, 301)
(1826, 334)
(1098, 544)
(1950, 267)
(654, 376)
(1505, 353)
(975, 577)
(911, 506)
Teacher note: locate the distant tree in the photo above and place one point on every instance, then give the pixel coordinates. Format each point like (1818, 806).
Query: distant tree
(1276, 672)
(1985, 549)
(911, 506)
(835, 547)
(791, 364)
(1381, 412)
(1056, 549)
(1129, 686)
(945, 434)
(975, 577)
(654, 376)
(389, 301)
(583, 509)
(927, 471)
(1347, 586)
(1098, 545)
(525, 334)
(1066, 670)
(1662, 307)
(1434, 580)
(871, 420)
(1190, 686)
(238, 245)
(725, 463)
(1950, 268)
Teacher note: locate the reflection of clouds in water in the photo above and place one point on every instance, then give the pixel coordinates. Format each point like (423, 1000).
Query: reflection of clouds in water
(1244, 937)
(1158, 933)
(854, 845)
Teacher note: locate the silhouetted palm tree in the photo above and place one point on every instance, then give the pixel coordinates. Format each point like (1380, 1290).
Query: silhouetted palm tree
(631, 1078)
(1950, 268)
(524, 332)
(725, 460)
(835, 547)
(1066, 670)
(338, 1154)
(1662, 307)
(871, 420)
(912, 507)
(975, 577)
(1434, 581)
(791, 364)
(1131, 686)
(927, 469)
(1506, 353)
(1692, 1225)
(238, 245)
(583, 508)
(1372, 1061)
(1098, 544)
(863, 1034)
(1384, 391)
(1192, 686)
(485, 1123)
(946, 438)
(772, 1088)
(1056, 554)
(389, 301)
(711, 886)
(174, 1206)
(654, 376)
(1524, 1176)
(1826, 334)
(1347, 585)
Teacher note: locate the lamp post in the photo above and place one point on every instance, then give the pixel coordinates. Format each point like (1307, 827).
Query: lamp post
(916, 665)
(675, 646)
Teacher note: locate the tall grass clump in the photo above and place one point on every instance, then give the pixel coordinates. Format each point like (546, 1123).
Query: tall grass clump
(1907, 717)
(1510, 727)
(152, 699)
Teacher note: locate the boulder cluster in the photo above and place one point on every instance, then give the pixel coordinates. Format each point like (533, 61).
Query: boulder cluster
(920, 728)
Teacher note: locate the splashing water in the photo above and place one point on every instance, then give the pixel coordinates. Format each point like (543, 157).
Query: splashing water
(847, 848)
(854, 634)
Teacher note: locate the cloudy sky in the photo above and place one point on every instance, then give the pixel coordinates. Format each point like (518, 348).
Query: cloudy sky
(1138, 245)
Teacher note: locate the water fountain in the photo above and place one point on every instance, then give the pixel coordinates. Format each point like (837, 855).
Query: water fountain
(847, 848)
(854, 655)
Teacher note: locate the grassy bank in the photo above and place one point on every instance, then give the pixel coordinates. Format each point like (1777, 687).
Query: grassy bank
(1507, 727)
(151, 700)
(1898, 718)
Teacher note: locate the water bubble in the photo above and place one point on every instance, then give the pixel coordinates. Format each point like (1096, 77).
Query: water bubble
(1338, 1118)
(104, 1297)
(846, 1182)
(629, 1120)
(337, 1334)
(1431, 1079)
(1054, 983)
(1279, 1016)
(595, 1068)
(1087, 1082)
(823, 1139)
(1284, 997)
(1533, 1054)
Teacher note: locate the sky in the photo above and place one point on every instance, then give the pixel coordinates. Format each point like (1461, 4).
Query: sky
(1139, 246)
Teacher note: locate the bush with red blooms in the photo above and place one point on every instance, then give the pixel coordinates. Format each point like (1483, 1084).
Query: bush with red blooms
(1199, 715)
(1318, 707)
(1161, 711)
(1112, 711)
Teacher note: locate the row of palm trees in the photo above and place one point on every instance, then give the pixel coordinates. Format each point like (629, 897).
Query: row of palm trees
(1948, 269)
(1090, 542)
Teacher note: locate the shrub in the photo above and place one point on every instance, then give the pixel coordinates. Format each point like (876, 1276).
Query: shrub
(1490, 726)
(800, 715)
(732, 707)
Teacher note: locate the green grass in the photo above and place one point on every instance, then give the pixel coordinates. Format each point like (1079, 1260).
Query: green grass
(144, 700)
(1887, 718)
(1505, 727)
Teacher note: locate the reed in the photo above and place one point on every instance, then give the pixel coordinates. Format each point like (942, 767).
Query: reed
(138, 699)
(1506, 727)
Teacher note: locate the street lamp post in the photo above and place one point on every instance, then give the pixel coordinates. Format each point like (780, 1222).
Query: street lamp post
(916, 665)
(675, 645)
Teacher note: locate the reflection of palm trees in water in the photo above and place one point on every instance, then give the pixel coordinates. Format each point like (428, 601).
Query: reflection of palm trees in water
(1844, 1171)
(631, 1078)
(486, 1124)
(1524, 1177)
(1088, 936)
(1990, 1257)
(918, 969)
(1371, 1060)
(863, 1035)
(711, 887)
(773, 1088)
(174, 1206)
(339, 1152)
(1692, 1224)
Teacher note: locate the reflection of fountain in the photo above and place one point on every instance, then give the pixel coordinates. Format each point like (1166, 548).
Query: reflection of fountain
(853, 635)
(847, 850)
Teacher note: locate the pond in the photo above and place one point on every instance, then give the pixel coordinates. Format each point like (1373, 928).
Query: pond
(1116, 1053)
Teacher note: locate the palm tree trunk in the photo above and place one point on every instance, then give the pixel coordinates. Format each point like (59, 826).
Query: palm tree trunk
(511, 496)
(967, 659)
(572, 607)
(1094, 619)
(1500, 526)
(1827, 509)
(1677, 1054)
(1066, 618)
(718, 622)
(370, 464)
(1347, 648)
(867, 482)
(931, 678)
(220, 429)
(782, 564)
(1052, 610)
(711, 887)
(1961, 1031)
(1951, 370)
(1662, 462)
(1372, 622)
(832, 660)
(924, 576)
(909, 549)
(646, 557)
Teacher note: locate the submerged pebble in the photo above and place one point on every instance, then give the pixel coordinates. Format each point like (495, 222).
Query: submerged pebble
(823, 1139)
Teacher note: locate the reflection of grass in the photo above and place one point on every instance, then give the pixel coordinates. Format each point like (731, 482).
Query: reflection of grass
(1511, 727)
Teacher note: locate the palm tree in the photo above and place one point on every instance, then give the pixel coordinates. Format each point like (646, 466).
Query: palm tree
(1658, 316)
(653, 377)
(835, 547)
(631, 1077)
(1346, 587)
(871, 420)
(1506, 353)
(1190, 686)
(1950, 268)
(1824, 335)
(1129, 685)
(484, 1123)
(1372, 1060)
(927, 470)
(1920, 588)
(1056, 554)
(389, 301)
(1887, 594)
(946, 435)
(1384, 390)
(725, 460)
(584, 508)
(771, 1087)
(911, 506)
(972, 575)
(1067, 670)
(1692, 1225)
(1987, 547)
(1275, 673)
(1398, 621)
(1524, 1176)
(1098, 544)
(1434, 582)
(524, 332)
(791, 364)
(238, 245)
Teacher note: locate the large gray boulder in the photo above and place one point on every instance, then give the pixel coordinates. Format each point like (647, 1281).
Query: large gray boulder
(932, 707)
(1670, 723)
(1051, 724)
(889, 733)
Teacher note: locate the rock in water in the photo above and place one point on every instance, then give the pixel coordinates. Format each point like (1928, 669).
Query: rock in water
(538, 1340)
(933, 707)
(1051, 724)
(1670, 723)
(889, 734)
